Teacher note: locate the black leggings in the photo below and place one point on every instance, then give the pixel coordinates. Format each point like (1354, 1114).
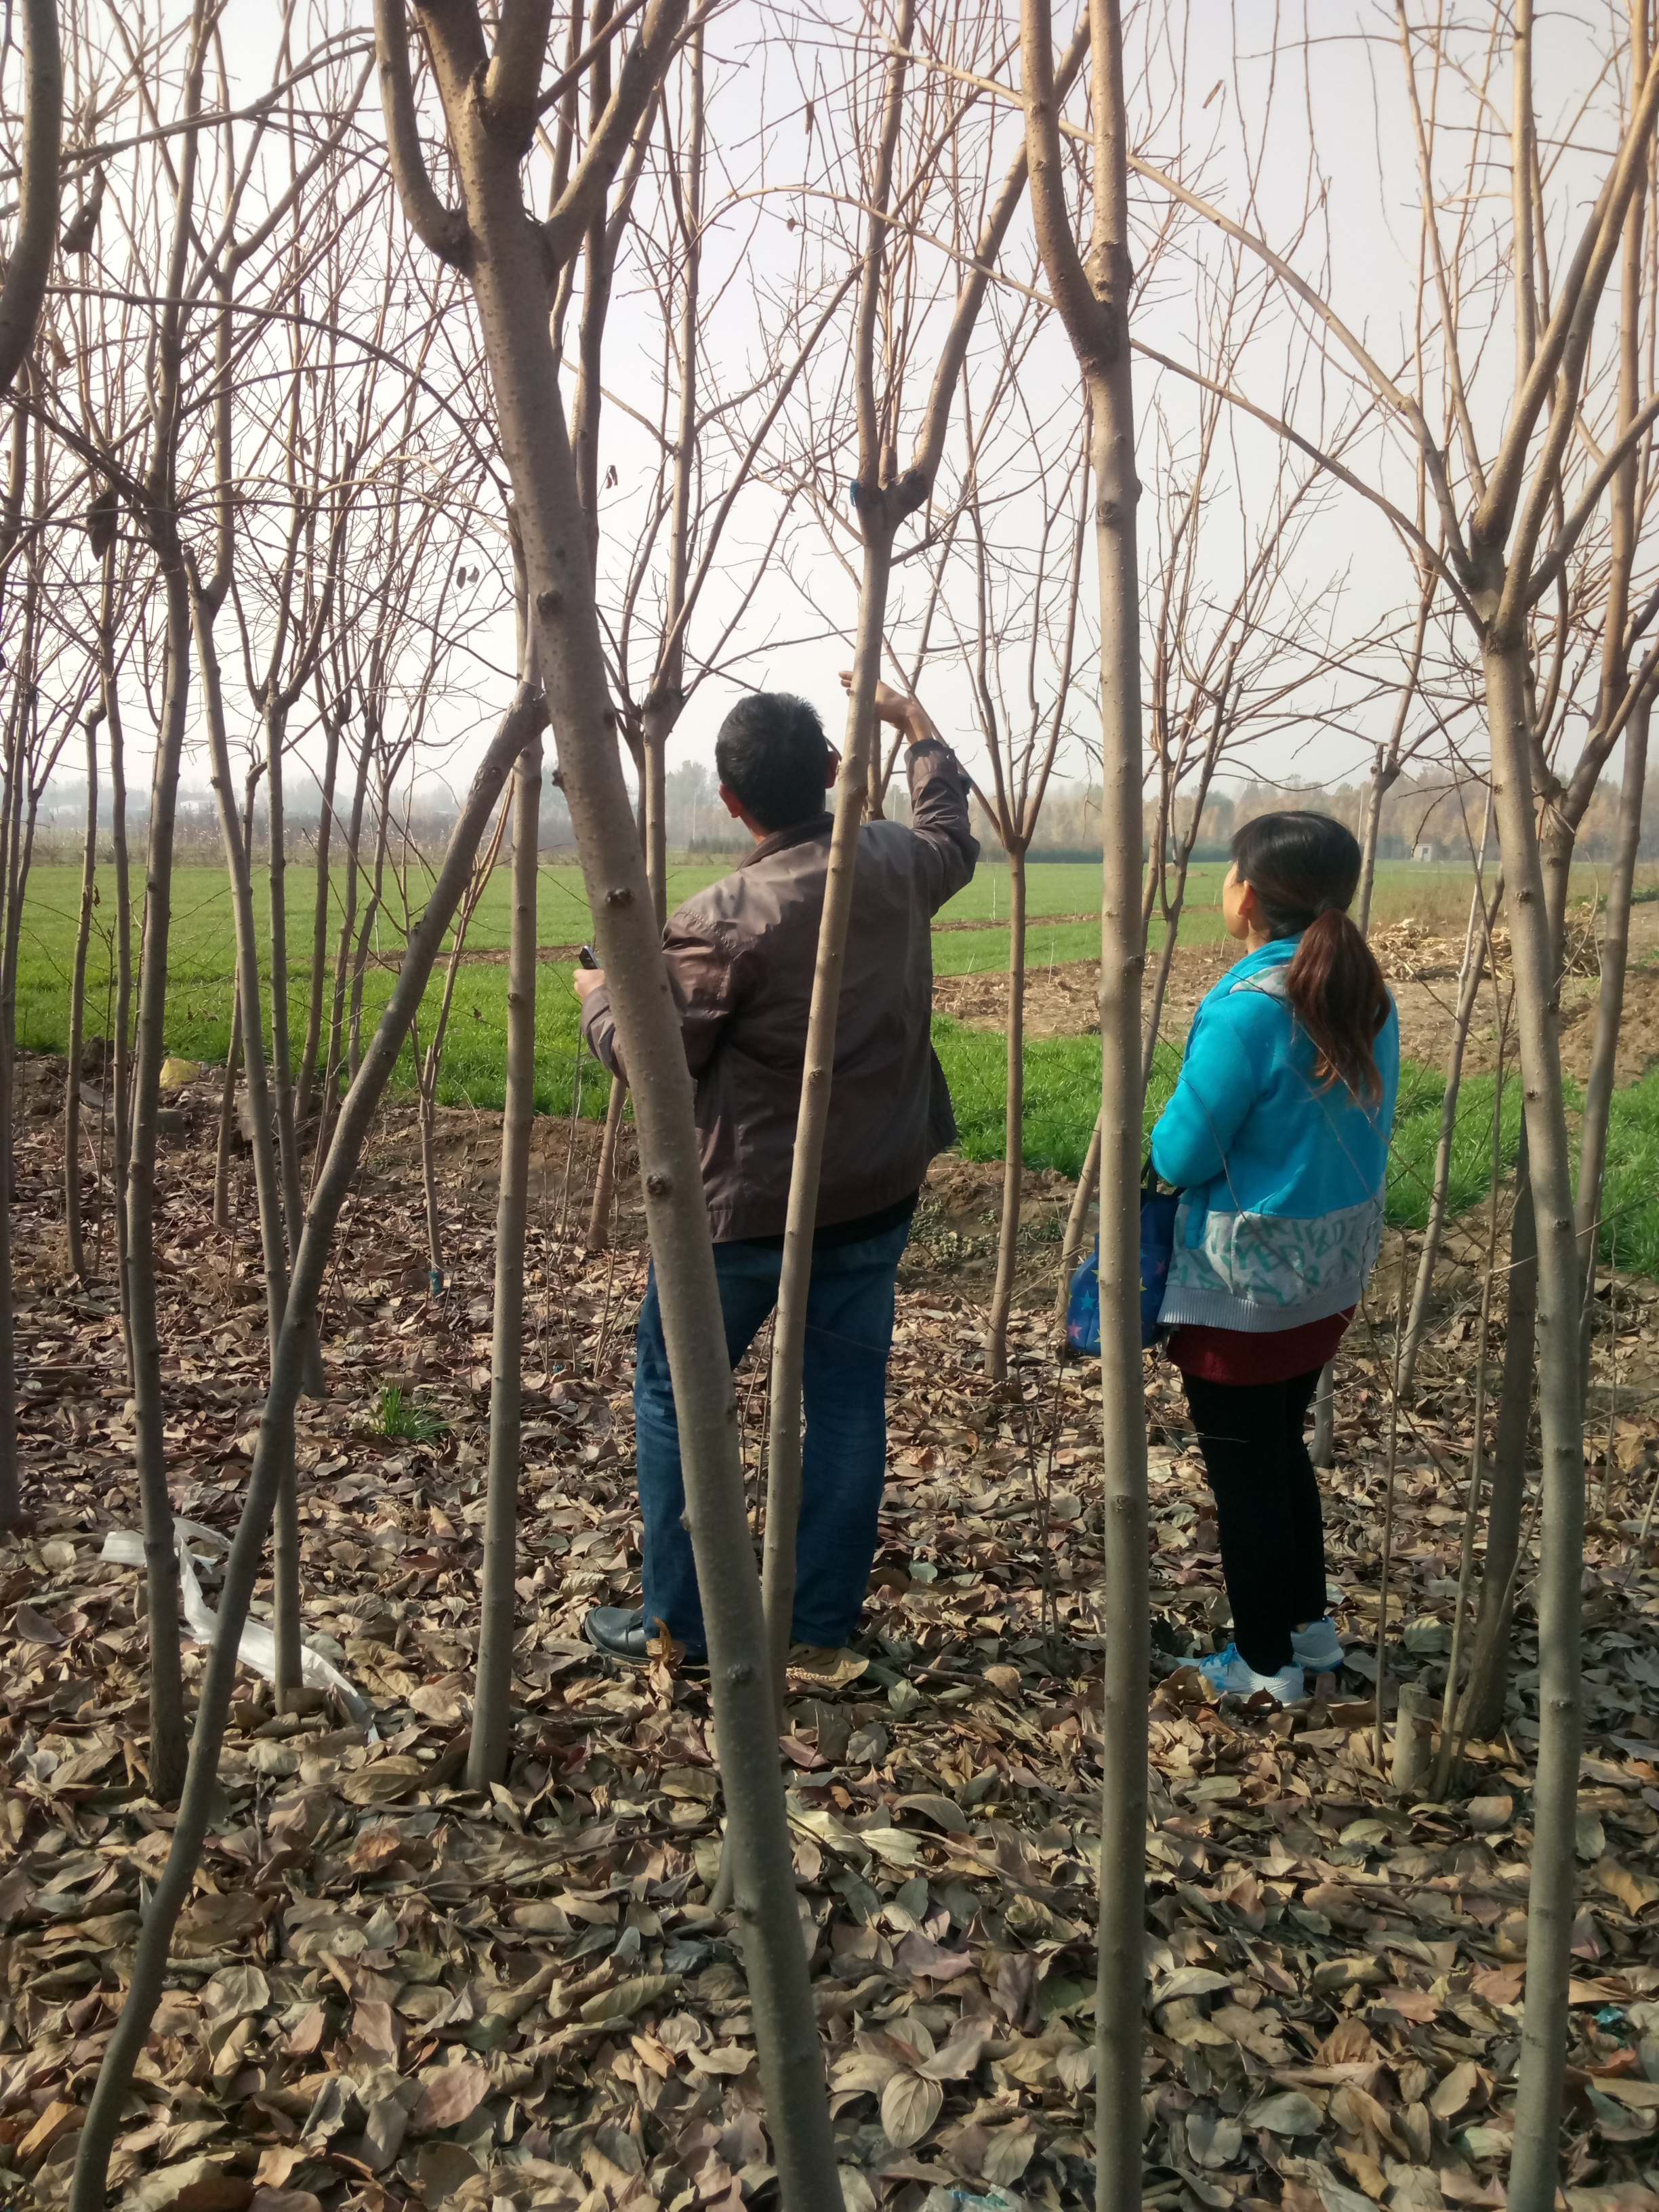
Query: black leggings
(1267, 1497)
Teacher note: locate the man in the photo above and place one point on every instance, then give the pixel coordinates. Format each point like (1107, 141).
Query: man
(741, 955)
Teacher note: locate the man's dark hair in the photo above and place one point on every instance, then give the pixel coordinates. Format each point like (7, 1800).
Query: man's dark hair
(772, 754)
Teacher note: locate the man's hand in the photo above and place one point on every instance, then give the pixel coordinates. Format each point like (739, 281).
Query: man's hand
(891, 706)
(586, 980)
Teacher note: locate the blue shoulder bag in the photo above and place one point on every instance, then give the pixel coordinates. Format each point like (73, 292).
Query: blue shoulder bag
(1157, 1219)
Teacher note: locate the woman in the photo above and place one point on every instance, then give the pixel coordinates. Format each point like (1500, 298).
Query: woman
(1277, 1139)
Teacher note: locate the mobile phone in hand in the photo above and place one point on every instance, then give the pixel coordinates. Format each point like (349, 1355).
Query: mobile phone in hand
(586, 957)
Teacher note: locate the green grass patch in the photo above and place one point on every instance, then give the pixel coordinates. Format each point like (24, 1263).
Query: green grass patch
(201, 990)
(1062, 1093)
(409, 1418)
(1417, 1139)
(1062, 1096)
(1062, 1074)
(1630, 1194)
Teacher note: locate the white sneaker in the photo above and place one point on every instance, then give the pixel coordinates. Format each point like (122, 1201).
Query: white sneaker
(1231, 1676)
(1317, 1647)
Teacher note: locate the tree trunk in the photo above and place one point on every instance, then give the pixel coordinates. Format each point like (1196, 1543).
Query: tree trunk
(122, 1073)
(1551, 1903)
(172, 1892)
(435, 1236)
(302, 1104)
(166, 1711)
(77, 1254)
(1474, 963)
(492, 1730)
(1077, 1222)
(1610, 1012)
(28, 268)
(509, 277)
(1094, 305)
(604, 1179)
(371, 916)
(656, 724)
(281, 1057)
(1370, 829)
(794, 1279)
(11, 798)
(285, 1567)
(222, 1208)
(429, 1065)
(222, 1213)
(1118, 2021)
(1013, 1160)
(343, 954)
(857, 791)
(1489, 1670)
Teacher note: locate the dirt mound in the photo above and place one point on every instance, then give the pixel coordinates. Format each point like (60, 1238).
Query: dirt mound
(1060, 1001)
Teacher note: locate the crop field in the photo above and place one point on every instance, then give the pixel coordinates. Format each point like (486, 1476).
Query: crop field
(1062, 1073)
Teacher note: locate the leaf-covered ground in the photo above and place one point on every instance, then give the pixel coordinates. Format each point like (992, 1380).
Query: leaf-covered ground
(388, 1989)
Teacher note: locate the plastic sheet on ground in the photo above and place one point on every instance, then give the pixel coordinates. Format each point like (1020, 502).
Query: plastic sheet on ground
(258, 1647)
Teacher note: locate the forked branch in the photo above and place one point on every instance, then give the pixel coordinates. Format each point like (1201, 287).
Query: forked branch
(441, 229)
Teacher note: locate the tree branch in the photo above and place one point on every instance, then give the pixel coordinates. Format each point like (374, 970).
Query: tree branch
(931, 442)
(30, 265)
(1581, 289)
(441, 229)
(1568, 535)
(1087, 323)
(515, 74)
(636, 81)
(572, 77)
(1402, 522)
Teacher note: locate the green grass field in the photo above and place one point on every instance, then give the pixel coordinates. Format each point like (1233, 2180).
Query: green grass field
(1062, 1074)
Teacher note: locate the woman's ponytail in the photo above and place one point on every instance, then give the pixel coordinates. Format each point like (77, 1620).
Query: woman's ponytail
(1304, 869)
(1340, 1000)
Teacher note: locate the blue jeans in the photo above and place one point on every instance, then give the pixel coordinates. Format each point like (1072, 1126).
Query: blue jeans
(849, 1333)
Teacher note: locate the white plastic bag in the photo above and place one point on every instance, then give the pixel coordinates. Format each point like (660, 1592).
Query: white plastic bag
(258, 1647)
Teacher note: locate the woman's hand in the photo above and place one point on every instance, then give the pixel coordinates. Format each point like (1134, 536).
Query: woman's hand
(586, 980)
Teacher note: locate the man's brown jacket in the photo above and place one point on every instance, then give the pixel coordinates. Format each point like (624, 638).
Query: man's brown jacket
(741, 955)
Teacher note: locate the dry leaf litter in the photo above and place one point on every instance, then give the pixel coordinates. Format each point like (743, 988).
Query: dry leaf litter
(388, 1989)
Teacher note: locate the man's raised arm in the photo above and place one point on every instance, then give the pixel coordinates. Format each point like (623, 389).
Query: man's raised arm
(938, 796)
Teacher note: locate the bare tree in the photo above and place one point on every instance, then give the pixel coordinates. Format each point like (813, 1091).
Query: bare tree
(1092, 300)
(490, 99)
(883, 499)
(275, 1448)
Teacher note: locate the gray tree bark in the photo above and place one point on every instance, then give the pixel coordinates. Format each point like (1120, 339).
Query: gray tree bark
(77, 1252)
(1551, 1903)
(1476, 944)
(28, 270)
(492, 1729)
(1093, 301)
(1609, 1013)
(1013, 1140)
(166, 1711)
(332, 724)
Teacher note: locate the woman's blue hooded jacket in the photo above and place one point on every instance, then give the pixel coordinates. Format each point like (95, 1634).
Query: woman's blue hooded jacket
(1282, 1179)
